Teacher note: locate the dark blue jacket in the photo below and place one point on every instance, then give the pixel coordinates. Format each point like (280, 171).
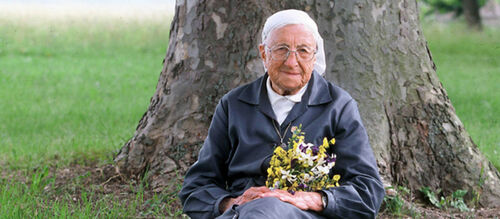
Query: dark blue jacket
(241, 137)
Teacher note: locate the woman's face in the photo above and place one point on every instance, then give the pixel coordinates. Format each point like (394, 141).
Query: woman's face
(290, 75)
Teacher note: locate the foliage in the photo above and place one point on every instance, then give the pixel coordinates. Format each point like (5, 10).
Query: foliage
(455, 200)
(478, 189)
(444, 6)
(397, 205)
(432, 197)
(394, 204)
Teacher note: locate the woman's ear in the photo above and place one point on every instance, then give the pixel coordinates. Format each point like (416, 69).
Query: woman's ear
(262, 51)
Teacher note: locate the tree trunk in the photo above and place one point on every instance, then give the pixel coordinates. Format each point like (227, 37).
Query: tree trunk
(471, 14)
(375, 50)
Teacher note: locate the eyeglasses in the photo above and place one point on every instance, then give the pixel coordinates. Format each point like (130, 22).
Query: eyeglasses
(281, 53)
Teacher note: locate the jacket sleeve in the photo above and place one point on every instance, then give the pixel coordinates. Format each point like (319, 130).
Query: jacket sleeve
(361, 191)
(205, 182)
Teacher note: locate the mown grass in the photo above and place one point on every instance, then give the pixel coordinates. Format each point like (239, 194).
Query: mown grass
(77, 86)
(74, 85)
(468, 65)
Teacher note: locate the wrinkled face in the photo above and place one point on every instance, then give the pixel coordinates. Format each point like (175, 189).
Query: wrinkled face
(290, 75)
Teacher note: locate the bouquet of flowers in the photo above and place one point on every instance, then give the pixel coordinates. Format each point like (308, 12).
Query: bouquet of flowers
(303, 166)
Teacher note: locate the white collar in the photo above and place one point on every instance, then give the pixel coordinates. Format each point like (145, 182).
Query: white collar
(273, 96)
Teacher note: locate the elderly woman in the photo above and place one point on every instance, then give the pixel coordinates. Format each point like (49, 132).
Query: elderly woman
(250, 121)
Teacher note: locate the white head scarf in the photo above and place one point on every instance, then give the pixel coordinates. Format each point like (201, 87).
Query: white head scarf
(292, 16)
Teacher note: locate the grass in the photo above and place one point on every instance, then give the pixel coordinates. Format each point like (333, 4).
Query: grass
(39, 197)
(74, 88)
(468, 66)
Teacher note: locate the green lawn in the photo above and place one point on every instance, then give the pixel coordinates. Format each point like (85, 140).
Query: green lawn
(77, 87)
(73, 89)
(74, 86)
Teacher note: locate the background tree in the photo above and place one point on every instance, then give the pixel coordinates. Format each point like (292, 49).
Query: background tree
(469, 8)
(375, 50)
(471, 13)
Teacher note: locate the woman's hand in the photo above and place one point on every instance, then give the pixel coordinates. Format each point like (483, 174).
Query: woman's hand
(302, 200)
(249, 195)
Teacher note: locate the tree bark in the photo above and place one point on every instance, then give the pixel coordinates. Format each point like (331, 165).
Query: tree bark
(375, 50)
(471, 14)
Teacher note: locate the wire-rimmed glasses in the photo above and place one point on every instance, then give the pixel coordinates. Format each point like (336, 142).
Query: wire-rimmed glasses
(281, 53)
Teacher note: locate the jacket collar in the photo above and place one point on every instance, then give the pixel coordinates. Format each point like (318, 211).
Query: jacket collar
(317, 92)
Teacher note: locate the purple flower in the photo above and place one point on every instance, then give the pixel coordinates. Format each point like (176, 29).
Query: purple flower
(302, 186)
(303, 147)
(291, 192)
(315, 150)
(332, 158)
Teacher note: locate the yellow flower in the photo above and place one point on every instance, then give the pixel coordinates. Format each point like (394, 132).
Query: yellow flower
(325, 142)
(336, 177)
(322, 150)
(332, 141)
(301, 139)
(277, 171)
(270, 172)
(280, 152)
(275, 162)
